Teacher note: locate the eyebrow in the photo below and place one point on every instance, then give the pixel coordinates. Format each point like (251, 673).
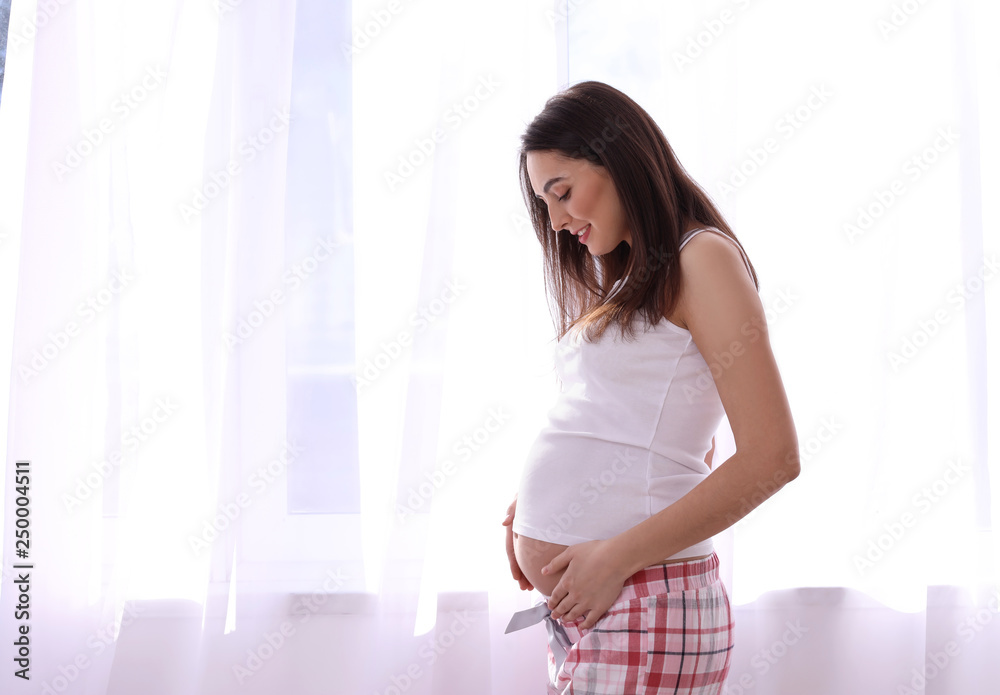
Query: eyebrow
(549, 183)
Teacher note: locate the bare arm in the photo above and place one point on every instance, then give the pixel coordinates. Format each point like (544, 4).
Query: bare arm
(721, 308)
(724, 314)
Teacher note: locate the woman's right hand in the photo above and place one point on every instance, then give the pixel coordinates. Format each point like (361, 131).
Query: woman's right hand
(515, 569)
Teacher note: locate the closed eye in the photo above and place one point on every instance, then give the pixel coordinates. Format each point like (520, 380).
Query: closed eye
(564, 197)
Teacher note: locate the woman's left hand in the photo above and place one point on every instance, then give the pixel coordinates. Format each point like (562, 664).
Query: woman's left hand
(592, 581)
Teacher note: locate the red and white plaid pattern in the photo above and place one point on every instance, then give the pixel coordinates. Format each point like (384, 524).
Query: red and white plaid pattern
(669, 631)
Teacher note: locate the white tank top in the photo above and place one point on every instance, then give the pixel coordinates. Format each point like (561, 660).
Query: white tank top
(627, 436)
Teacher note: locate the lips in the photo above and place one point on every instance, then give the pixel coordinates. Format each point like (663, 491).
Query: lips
(583, 232)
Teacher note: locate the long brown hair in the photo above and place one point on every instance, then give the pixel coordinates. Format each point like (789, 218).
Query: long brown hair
(594, 121)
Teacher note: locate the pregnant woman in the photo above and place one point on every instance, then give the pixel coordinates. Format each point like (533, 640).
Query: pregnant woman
(661, 333)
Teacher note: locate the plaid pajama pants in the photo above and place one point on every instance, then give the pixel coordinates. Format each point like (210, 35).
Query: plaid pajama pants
(669, 631)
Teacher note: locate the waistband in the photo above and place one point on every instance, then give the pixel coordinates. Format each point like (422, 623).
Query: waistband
(670, 578)
(657, 579)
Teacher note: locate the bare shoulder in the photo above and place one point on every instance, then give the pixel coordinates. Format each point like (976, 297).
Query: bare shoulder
(710, 261)
(725, 317)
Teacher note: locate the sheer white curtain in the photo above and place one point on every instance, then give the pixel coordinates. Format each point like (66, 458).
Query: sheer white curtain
(217, 503)
(142, 224)
(278, 337)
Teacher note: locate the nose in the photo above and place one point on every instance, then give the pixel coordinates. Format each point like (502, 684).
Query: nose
(557, 215)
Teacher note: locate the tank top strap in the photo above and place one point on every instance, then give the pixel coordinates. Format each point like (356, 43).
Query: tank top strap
(691, 234)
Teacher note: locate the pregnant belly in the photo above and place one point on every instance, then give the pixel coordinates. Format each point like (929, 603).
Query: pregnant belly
(532, 555)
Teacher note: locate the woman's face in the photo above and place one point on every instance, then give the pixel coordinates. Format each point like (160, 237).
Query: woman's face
(580, 197)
